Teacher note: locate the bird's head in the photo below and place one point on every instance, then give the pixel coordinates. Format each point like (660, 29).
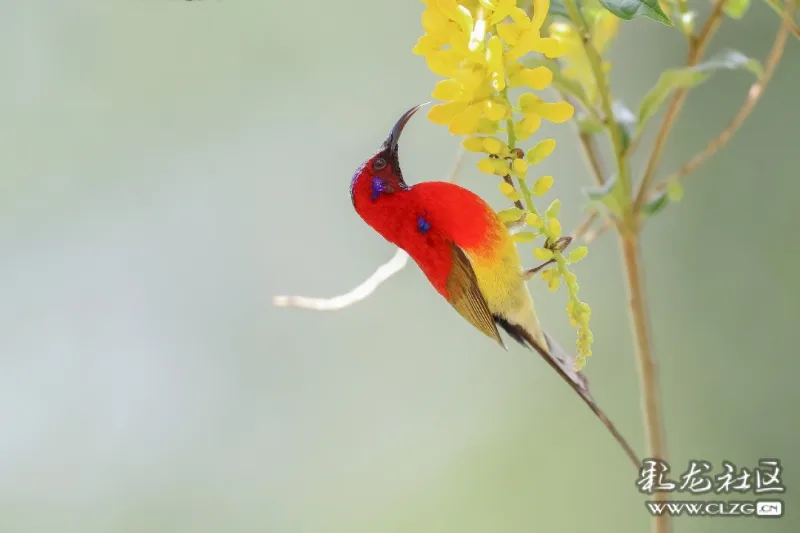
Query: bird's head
(382, 170)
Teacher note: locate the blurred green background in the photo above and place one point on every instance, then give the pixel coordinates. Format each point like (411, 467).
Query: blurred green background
(168, 167)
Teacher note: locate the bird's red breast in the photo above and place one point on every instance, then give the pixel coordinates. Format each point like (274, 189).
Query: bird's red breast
(425, 218)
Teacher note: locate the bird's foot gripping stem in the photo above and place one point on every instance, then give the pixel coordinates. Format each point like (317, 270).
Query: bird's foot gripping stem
(558, 246)
(529, 274)
(515, 226)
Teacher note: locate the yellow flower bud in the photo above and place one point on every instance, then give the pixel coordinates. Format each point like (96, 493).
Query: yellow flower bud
(494, 59)
(554, 112)
(502, 168)
(466, 122)
(473, 144)
(542, 185)
(511, 214)
(509, 33)
(553, 209)
(554, 226)
(554, 283)
(487, 165)
(447, 90)
(543, 254)
(444, 113)
(524, 236)
(540, 151)
(538, 78)
(524, 128)
(578, 253)
(496, 109)
(557, 112)
(495, 146)
(443, 62)
(487, 127)
(520, 167)
(506, 189)
(534, 220)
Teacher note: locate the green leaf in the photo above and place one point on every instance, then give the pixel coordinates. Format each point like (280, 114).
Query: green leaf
(685, 78)
(609, 195)
(736, 9)
(657, 203)
(732, 60)
(681, 78)
(626, 121)
(627, 9)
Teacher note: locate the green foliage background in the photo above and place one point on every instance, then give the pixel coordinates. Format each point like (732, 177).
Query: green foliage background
(169, 166)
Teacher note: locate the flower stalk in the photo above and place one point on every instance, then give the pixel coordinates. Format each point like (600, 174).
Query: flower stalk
(478, 47)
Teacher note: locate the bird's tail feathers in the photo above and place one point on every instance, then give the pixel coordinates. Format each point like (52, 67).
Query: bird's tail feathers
(562, 362)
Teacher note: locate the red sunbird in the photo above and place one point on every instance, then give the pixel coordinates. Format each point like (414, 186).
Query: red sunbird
(462, 247)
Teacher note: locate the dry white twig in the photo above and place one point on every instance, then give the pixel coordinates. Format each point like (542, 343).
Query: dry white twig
(367, 287)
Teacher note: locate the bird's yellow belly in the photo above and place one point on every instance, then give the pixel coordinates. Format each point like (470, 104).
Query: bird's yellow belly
(500, 278)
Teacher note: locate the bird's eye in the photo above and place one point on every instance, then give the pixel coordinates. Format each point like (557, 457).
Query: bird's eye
(379, 164)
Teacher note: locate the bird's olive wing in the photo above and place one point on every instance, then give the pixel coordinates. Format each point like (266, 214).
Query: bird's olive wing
(466, 297)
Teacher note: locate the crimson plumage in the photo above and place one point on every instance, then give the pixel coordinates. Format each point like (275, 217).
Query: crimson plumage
(461, 246)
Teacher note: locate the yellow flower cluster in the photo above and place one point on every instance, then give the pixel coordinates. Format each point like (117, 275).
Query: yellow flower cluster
(477, 47)
(577, 66)
(470, 44)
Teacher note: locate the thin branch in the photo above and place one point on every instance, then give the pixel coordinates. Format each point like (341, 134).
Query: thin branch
(696, 50)
(585, 226)
(592, 155)
(595, 233)
(753, 96)
(366, 288)
(645, 361)
(786, 15)
(588, 145)
(596, 63)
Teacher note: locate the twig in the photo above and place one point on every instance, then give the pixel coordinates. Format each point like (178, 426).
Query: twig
(755, 93)
(631, 252)
(585, 226)
(593, 234)
(588, 145)
(786, 15)
(645, 361)
(696, 50)
(590, 152)
(367, 287)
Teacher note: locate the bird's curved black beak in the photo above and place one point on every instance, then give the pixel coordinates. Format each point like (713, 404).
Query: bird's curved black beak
(392, 140)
